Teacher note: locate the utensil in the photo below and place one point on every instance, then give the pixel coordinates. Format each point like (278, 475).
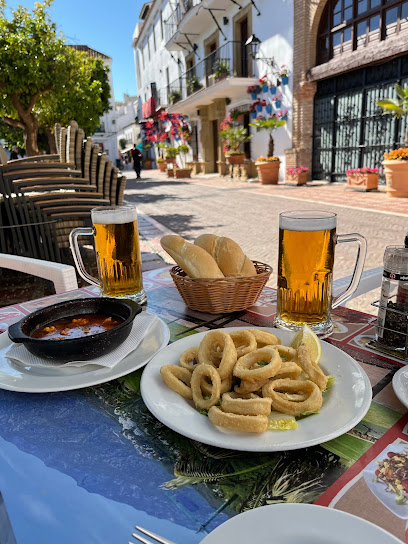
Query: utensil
(307, 242)
(76, 349)
(117, 249)
(345, 404)
(156, 537)
(17, 377)
(298, 524)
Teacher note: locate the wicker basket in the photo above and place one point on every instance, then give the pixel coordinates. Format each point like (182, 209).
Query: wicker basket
(220, 296)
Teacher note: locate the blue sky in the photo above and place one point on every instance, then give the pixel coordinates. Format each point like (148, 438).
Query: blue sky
(104, 25)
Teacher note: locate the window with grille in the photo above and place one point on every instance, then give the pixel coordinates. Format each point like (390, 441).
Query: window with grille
(348, 25)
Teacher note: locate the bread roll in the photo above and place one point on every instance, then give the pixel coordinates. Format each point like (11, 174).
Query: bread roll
(230, 258)
(194, 260)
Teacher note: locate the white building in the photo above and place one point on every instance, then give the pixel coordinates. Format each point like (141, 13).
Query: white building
(191, 58)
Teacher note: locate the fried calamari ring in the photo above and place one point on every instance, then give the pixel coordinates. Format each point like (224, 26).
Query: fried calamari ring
(289, 369)
(247, 367)
(235, 422)
(249, 405)
(285, 351)
(178, 379)
(264, 338)
(278, 391)
(246, 386)
(189, 358)
(207, 386)
(244, 341)
(217, 349)
(312, 369)
(199, 373)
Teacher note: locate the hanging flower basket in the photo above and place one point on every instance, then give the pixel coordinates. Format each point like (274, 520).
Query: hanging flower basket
(269, 109)
(278, 104)
(362, 179)
(272, 89)
(285, 80)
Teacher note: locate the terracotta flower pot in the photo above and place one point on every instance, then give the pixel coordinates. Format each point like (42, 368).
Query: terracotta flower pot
(235, 159)
(268, 172)
(396, 176)
(162, 166)
(298, 179)
(362, 182)
(182, 173)
(147, 164)
(170, 172)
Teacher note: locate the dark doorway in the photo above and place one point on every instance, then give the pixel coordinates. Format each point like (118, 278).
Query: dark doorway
(215, 145)
(243, 30)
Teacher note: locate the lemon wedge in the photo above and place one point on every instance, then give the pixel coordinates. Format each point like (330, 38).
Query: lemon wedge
(308, 337)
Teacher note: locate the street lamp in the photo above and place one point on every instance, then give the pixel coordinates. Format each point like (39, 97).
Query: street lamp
(253, 43)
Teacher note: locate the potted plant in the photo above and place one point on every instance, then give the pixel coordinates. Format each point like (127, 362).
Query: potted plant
(284, 115)
(272, 89)
(182, 172)
(193, 84)
(147, 161)
(221, 70)
(297, 175)
(263, 82)
(161, 163)
(174, 96)
(252, 111)
(396, 172)
(258, 105)
(277, 100)
(268, 168)
(365, 179)
(284, 74)
(253, 90)
(232, 137)
(396, 162)
(171, 154)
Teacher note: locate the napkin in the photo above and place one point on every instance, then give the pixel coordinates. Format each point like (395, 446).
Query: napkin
(142, 324)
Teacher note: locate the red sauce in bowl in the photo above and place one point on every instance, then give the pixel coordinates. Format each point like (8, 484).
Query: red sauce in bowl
(77, 326)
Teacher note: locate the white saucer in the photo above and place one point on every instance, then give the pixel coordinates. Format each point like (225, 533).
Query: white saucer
(400, 385)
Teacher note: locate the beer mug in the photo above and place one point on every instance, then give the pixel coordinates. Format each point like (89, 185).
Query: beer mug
(305, 270)
(117, 252)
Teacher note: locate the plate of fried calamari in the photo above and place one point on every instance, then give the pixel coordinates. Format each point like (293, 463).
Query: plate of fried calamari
(246, 389)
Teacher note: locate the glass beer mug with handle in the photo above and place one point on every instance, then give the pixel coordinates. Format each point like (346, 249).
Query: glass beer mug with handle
(305, 270)
(117, 252)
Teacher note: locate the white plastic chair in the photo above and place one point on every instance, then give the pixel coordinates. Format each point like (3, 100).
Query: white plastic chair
(63, 276)
(370, 279)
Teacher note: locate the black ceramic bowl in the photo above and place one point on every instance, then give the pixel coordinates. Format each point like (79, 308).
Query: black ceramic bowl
(76, 349)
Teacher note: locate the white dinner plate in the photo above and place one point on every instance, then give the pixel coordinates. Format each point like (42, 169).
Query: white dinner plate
(23, 378)
(298, 524)
(345, 403)
(400, 385)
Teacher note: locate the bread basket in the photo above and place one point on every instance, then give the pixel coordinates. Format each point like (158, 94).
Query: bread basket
(220, 296)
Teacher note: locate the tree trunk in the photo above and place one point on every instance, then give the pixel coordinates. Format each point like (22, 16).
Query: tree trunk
(51, 141)
(270, 145)
(406, 137)
(30, 135)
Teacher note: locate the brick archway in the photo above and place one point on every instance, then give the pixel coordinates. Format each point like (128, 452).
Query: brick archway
(306, 24)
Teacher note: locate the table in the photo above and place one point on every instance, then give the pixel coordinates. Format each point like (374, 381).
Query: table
(86, 466)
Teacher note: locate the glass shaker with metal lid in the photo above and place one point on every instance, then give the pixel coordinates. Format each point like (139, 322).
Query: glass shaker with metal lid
(393, 310)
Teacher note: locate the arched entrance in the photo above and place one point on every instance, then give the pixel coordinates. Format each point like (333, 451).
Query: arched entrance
(340, 70)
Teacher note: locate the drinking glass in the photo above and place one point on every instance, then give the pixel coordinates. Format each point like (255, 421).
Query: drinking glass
(117, 248)
(307, 241)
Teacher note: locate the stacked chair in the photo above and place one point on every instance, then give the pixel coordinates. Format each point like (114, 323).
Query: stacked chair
(43, 199)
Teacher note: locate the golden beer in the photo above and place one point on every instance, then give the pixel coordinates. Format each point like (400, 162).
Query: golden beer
(305, 273)
(118, 256)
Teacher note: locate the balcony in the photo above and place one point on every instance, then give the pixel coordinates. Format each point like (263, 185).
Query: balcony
(226, 72)
(149, 108)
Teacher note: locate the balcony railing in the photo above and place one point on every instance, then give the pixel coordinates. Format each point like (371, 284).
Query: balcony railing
(179, 11)
(231, 59)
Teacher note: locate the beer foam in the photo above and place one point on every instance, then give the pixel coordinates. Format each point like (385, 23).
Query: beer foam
(114, 216)
(307, 221)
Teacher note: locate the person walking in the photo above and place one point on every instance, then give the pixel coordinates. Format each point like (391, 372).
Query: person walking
(136, 156)
(14, 153)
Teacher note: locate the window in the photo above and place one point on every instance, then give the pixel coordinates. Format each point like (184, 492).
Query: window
(161, 24)
(347, 25)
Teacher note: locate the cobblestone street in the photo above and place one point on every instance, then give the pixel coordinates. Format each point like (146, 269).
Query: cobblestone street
(248, 213)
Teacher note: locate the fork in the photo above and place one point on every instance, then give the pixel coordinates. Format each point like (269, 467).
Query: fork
(156, 537)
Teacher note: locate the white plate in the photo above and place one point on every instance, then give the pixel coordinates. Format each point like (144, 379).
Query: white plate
(298, 524)
(345, 404)
(379, 488)
(17, 377)
(400, 385)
